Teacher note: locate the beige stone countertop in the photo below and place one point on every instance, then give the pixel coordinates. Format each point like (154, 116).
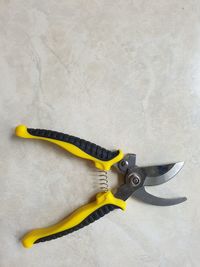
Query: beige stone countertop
(122, 74)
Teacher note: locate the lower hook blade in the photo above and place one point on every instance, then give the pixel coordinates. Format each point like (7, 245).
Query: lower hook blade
(142, 195)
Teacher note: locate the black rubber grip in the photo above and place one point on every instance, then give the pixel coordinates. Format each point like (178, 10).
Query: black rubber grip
(97, 214)
(88, 147)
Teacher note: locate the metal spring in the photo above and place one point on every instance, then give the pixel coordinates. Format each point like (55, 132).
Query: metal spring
(103, 181)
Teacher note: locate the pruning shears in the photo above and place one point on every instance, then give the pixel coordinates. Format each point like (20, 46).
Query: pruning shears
(135, 180)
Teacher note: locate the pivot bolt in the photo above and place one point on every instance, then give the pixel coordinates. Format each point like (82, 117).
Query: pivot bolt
(134, 179)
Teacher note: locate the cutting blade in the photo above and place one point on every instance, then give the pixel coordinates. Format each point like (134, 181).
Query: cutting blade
(160, 174)
(142, 195)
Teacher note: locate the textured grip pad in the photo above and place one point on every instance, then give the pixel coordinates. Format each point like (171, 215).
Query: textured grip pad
(97, 214)
(86, 146)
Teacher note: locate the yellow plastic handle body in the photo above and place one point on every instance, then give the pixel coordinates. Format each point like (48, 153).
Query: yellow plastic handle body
(89, 152)
(105, 202)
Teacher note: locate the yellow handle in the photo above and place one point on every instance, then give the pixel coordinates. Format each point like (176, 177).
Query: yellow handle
(23, 131)
(78, 219)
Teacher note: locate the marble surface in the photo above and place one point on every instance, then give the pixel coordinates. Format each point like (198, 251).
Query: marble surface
(123, 74)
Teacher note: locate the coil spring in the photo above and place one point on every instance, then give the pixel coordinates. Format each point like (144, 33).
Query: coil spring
(103, 180)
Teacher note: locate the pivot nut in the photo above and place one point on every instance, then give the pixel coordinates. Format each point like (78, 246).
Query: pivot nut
(134, 179)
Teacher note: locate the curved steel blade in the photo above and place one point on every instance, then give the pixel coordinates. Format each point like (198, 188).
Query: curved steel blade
(144, 196)
(160, 174)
